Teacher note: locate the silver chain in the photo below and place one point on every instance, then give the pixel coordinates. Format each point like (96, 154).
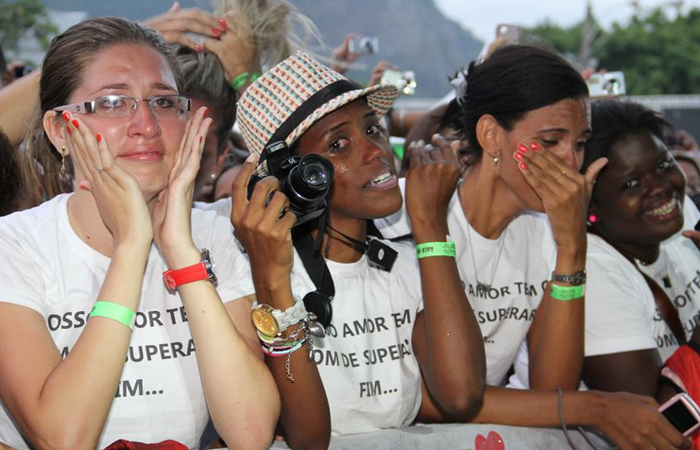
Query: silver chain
(479, 285)
(307, 339)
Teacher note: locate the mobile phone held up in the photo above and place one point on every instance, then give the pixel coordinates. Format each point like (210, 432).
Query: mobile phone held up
(683, 413)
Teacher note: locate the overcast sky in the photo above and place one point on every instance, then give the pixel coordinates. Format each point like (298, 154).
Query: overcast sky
(482, 16)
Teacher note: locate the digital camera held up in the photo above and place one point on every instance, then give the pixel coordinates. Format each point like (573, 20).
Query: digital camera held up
(306, 181)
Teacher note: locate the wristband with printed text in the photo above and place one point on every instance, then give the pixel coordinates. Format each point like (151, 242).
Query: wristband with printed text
(427, 249)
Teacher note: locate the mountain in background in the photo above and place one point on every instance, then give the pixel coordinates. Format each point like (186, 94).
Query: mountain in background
(413, 34)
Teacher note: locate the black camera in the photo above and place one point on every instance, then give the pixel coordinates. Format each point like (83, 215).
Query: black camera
(305, 181)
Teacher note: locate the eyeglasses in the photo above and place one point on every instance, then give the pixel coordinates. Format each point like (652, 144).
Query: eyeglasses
(123, 106)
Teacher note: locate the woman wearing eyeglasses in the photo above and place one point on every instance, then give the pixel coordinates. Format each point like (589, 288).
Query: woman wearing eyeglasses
(112, 325)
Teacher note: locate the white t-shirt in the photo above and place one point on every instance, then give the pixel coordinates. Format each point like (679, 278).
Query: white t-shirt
(222, 206)
(518, 277)
(621, 313)
(366, 361)
(45, 266)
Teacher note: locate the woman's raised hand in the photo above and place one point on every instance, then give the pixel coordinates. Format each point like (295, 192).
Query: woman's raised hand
(235, 49)
(176, 23)
(431, 181)
(565, 193)
(693, 235)
(263, 225)
(172, 209)
(117, 194)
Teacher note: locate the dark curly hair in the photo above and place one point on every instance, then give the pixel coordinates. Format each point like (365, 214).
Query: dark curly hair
(614, 120)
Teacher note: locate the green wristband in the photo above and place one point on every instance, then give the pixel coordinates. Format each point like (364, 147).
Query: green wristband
(114, 311)
(428, 249)
(566, 293)
(244, 78)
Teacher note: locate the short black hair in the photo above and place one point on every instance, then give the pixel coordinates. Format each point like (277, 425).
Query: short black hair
(614, 120)
(514, 80)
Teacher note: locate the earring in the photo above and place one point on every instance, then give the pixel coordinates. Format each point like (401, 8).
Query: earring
(63, 160)
(495, 160)
(593, 218)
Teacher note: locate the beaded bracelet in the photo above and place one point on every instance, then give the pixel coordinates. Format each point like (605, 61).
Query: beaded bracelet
(566, 293)
(428, 249)
(243, 79)
(114, 311)
(282, 350)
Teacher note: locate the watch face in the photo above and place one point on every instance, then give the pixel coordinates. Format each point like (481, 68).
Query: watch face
(264, 321)
(209, 265)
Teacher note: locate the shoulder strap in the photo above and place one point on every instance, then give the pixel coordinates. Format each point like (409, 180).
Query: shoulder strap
(666, 309)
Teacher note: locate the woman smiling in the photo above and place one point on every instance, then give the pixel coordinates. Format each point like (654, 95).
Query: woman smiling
(644, 302)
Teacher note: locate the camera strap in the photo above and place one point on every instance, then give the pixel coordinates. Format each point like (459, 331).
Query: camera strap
(309, 250)
(380, 255)
(315, 265)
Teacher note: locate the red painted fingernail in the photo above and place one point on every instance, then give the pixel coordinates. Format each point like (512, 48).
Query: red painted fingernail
(535, 146)
(66, 116)
(519, 156)
(222, 21)
(98, 136)
(83, 185)
(206, 112)
(68, 130)
(523, 166)
(200, 139)
(75, 123)
(216, 32)
(522, 148)
(198, 47)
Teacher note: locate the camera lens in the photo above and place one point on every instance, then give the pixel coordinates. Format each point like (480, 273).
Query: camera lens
(308, 183)
(314, 174)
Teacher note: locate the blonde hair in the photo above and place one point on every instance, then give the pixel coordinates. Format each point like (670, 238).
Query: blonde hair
(276, 26)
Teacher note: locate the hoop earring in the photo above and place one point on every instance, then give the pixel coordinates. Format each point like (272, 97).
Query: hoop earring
(63, 160)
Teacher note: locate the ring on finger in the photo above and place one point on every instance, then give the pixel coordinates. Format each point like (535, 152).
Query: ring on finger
(100, 169)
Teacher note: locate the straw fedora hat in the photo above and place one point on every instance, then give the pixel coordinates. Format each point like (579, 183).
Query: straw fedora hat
(290, 97)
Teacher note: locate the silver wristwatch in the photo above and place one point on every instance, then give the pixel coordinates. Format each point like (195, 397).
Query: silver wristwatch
(575, 279)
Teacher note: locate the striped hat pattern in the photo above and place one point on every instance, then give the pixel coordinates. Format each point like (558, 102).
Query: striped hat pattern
(290, 97)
